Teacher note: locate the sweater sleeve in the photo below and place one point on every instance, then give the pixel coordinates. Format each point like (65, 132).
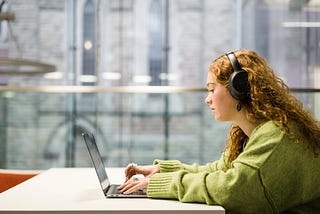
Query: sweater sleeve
(175, 165)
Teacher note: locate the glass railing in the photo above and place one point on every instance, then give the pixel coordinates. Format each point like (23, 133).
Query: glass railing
(40, 127)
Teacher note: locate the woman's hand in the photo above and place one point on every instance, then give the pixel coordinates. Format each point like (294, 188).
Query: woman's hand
(146, 171)
(135, 182)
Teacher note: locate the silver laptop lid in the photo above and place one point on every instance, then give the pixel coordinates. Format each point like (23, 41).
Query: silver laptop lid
(97, 160)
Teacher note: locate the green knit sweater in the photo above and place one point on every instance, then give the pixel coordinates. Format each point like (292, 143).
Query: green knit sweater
(273, 174)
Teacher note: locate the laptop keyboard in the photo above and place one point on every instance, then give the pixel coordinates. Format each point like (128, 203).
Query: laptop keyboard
(115, 191)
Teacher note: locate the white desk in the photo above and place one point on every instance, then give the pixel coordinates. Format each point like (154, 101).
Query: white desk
(76, 190)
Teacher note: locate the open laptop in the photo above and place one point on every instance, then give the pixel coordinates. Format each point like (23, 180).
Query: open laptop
(109, 190)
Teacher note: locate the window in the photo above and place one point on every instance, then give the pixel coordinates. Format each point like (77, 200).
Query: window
(88, 47)
(155, 44)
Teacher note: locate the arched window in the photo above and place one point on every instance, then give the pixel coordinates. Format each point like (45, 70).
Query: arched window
(3, 24)
(155, 43)
(4, 42)
(88, 47)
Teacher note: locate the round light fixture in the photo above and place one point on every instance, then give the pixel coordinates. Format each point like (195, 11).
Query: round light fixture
(10, 66)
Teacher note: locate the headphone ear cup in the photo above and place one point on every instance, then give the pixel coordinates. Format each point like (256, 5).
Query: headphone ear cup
(238, 85)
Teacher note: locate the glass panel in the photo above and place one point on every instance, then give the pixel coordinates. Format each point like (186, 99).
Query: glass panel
(46, 131)
(39, 129)
(196, 32)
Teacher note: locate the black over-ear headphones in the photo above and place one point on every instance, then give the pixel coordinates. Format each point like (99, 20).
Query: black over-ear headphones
(238, 82)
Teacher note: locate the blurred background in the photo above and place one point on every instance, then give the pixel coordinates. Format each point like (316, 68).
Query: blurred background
(133, 72)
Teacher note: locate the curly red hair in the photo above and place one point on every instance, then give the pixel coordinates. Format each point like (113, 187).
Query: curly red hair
(270, 99)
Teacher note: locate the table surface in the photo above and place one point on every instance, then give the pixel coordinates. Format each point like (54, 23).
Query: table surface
(76, 190)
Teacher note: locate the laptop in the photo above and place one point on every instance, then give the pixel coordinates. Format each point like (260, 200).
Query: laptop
(109, 190)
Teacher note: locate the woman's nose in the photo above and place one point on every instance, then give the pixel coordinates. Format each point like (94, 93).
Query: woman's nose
(207, 100)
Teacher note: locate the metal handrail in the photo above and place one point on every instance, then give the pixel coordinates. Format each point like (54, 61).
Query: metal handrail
(121, 89)
(93, 89)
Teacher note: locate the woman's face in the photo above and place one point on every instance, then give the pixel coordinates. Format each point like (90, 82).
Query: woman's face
(221, 103)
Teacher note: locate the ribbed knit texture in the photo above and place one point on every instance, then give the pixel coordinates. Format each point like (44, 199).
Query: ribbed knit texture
(159, 186)
(169, 166)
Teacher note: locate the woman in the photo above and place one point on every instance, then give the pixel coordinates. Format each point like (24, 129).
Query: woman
(271, 163)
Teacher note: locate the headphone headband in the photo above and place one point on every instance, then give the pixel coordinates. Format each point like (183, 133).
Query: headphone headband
(234, 62)
(239, 87)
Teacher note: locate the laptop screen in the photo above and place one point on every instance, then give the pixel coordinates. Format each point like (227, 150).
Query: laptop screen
(96, 160)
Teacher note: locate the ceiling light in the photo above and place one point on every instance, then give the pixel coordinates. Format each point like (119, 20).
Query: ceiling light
(300, 24)
(142, 79)
(111, 75)
(87, 78)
